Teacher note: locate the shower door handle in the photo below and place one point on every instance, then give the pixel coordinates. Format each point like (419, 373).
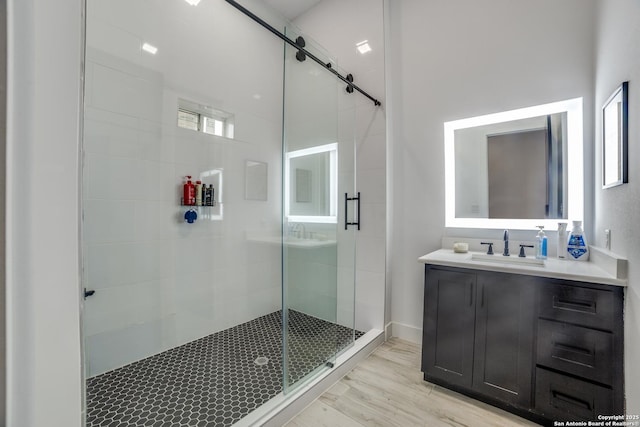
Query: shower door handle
(347, 199)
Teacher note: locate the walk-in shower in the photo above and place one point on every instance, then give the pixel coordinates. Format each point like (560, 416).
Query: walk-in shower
(218, 188)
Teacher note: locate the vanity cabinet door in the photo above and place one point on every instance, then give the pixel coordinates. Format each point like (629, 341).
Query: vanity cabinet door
(505, 319)
(448, 329)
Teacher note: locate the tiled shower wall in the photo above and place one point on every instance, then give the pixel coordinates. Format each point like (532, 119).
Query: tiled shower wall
(159, 281)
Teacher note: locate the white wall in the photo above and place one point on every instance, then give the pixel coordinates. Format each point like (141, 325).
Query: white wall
(618, 209)
(451, 59)
(44, 382)
(3, 145)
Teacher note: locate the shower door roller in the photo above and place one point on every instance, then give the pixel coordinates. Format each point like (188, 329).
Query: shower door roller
(348, 199)
(349, 87)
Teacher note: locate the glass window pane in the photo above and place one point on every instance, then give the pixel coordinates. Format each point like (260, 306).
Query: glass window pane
(188, 119)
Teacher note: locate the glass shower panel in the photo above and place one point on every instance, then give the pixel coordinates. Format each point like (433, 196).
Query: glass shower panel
(184, 294)
(318, 253)
(160, 280)
(215, 257)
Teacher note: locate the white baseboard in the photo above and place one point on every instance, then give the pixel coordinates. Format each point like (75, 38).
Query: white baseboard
(403, 331)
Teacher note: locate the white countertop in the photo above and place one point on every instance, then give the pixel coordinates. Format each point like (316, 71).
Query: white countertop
(553, 268)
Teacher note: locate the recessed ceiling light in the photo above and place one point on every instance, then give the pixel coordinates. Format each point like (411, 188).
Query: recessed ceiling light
(363, 47)
(193, 2)
(149, 48)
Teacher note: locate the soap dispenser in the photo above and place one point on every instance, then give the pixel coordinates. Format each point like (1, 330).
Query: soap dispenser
(541, 244)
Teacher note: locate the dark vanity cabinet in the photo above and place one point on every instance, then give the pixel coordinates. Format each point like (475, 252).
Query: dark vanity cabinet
(579, 357)
(478, 333)
(545, 349)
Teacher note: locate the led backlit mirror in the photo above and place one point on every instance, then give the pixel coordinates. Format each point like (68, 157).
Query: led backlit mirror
(311, 177)
(515, 169)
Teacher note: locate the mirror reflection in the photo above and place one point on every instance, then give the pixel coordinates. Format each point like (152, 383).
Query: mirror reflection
(515, 169)
(311, 184)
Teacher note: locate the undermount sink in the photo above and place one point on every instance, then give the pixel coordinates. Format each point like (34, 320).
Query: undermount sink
(513, 259)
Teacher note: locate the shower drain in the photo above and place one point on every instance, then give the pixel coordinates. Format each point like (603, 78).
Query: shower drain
(260, 361)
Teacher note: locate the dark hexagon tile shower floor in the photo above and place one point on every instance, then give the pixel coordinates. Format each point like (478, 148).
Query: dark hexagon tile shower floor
(213, 381)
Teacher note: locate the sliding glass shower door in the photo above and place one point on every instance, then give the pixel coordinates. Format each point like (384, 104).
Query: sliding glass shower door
(216, 261)
(318, 178)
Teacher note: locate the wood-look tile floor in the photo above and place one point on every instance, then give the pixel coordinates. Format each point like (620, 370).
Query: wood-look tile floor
(387, 389)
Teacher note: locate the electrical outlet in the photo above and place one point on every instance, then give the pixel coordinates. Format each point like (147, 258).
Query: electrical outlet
(607, 239)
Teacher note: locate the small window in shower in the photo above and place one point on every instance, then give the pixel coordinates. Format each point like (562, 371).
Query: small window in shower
(188, 119)
(214, 126)
(205, 119)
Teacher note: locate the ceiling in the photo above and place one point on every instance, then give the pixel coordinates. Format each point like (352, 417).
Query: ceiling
(291, 9)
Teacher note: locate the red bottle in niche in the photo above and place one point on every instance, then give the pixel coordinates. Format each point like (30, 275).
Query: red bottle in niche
(189, 192)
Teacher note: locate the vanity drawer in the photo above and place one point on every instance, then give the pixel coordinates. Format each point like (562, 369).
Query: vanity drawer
(579, 305)
(561, 397)
(584, 352)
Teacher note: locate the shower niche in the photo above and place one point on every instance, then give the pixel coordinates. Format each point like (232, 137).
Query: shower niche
(206, 197)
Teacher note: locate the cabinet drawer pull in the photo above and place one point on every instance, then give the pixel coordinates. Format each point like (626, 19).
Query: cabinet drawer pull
(572, 348)
(575, 305)
(565, 398)
(470, 294)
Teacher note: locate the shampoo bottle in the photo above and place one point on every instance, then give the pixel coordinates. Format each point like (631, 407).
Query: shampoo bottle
(562, 240)
(188, 192)
(209, 195)
(577, 248)
(541, 244)
(198, 193)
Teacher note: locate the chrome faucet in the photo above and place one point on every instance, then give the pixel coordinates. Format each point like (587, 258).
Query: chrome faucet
(505, 237)
(299, 230)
